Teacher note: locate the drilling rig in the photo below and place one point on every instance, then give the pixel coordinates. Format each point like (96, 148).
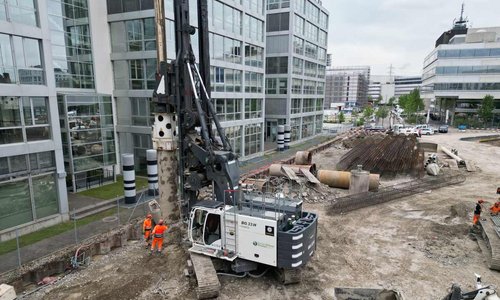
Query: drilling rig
(245, 229)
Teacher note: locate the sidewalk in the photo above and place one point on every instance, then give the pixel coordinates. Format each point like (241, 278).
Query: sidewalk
(45, 247)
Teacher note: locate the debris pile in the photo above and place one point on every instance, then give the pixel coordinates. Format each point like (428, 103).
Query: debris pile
(356, 136)
(385, 155)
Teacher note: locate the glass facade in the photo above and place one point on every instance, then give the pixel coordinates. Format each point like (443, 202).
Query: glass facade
(71, 43)
(253, 134)
(24, 119)
(467, 86)
(27, 188)
(20, 60)
(87, 132)
(122, 6)
(467, 70)
(464, 53)
(19, 11)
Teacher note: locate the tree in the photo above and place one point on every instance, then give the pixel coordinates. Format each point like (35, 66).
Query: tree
(391, 101)
(411, 103)
(341, 118)
(379, 100)
(485, 111)
(368, 112)
(382, 113)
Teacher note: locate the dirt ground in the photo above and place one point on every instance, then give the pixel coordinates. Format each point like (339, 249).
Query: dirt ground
(418, 245)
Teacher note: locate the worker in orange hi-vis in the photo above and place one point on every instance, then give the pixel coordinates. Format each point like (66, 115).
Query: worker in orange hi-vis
(495, 209)
(147, 226)
(158, 234)
(477, 211)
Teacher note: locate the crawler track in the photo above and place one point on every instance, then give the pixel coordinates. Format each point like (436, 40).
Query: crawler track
(357, 201)
(208, 282)
(491, 236)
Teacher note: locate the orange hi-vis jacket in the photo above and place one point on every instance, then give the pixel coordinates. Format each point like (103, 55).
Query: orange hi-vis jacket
(159, 230)
(495, 208)
(147, 225)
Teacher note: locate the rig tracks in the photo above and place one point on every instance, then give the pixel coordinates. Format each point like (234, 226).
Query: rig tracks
(386, 194)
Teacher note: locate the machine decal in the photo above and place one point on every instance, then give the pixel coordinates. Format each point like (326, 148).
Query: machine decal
(270, 230)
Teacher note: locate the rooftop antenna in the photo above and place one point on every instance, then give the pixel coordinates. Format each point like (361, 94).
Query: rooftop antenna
(462, 22)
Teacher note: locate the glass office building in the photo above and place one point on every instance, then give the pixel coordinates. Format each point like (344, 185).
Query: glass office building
(296, 33)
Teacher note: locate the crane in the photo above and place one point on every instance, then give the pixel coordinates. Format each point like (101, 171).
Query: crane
(243, 228)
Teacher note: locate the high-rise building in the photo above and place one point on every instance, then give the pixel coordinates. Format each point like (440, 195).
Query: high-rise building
(56, 111)
(347, 85)
(403, 85)
(295, 67)
(462, 69)
(237, 44)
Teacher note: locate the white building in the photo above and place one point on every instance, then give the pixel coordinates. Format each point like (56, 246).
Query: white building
(461, 70)
(385, 86)
(348, 85)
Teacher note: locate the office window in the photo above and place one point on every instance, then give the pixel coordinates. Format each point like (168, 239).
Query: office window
(319, 123)
(320, 88)
(277, 65)
(253, 108)
(309, 87)
(322, 54)
(253, 82)
(225, 49)
(19, 11)
(253, 142)
(228, 109)
(253, 28)
(310, 69)
(311, 50)
(142, 73)
(298, 45)
(271, 86)
(298, 66)
(278, 22)
(254, 56)
(298, 25)
(141, 111)
(299, 5)
(25, 67)
(311, 31)
(319, 104)
(295, 128)
(323, 20)
(322, 38)
(296, 86)
(141, 34)
(307, 126)
(321, 71)
(283, 86)
(312, 12)
(296, 105)
(121, 6)
(233, 134)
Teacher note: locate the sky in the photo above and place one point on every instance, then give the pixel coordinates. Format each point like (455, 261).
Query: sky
(379, 33)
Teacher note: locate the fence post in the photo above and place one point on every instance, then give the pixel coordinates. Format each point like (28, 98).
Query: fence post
(74, 223)
(18, 248)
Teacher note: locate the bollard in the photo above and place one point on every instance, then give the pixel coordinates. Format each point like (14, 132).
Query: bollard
(129, 178)
(152, 162)
(281, 137)
(288, 130)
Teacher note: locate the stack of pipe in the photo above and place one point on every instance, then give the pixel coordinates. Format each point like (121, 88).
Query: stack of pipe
(394, 154)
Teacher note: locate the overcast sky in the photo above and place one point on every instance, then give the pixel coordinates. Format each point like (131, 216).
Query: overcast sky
(379, 33)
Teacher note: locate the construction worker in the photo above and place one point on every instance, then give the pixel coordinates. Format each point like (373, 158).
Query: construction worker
(158, 234)
(147, 226)
(495, 209)
(477, 211)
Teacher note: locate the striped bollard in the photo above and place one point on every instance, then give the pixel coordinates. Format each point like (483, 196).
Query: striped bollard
(152, 162)
(288, 130)
(281, 137)
(129, 178)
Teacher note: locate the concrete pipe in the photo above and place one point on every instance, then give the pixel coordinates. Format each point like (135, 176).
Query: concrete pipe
(303, 158)
(452, 155)
(342, 179)
(259, 184)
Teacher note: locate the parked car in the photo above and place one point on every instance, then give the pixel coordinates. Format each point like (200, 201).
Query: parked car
(410, 131)
(443, 129)
(427, 131)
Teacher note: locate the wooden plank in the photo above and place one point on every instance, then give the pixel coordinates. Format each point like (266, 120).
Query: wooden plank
(290, 173)
(309, 176)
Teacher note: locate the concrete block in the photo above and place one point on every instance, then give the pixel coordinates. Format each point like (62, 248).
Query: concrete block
(104, 247)
(7, 292)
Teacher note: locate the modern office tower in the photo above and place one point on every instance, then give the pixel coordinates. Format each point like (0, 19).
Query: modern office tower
(237, 44)
(403, 85)
(295, 67)
(347, 85)
(56, 118)
(463, 68)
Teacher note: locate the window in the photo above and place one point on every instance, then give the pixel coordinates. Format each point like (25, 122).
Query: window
(319, 123)
(225, 80)
(310, 69)
(278, 22)
(296, 104)
(271, 86)
(277, 44)
(225, 49)
(311, 50)
(298, 5)
(141, 34)
(321, 71)
(277, 4)
(311, 32)
(254, 56)
(253, 138)
(253, 108)
(228, 109)
(253, 82)
(312, 12)
(320, 86)
(323, 20)
(309, 105)
(253, 28)
(298, 25)
(233, 134)
(296, 86)
(309, 87)
(121, 6)
(298, 45)
(319, 104)
(142, 74)
(322, 54)
(19, 11)
(295, 129)
(322, 38)
(298, 66)
(282, 86)
(141, 111)
(25, 67)
(307, 126)
(24, 115)
(277, 65)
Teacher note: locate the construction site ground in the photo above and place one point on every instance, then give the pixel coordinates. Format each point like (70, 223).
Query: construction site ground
(418, 245)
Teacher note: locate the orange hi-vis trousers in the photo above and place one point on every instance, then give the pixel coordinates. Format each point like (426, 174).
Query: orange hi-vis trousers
(157, 242)
(476, 219)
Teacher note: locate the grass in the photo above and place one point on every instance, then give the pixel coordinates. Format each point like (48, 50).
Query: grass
(31, 238)
(114, 189)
